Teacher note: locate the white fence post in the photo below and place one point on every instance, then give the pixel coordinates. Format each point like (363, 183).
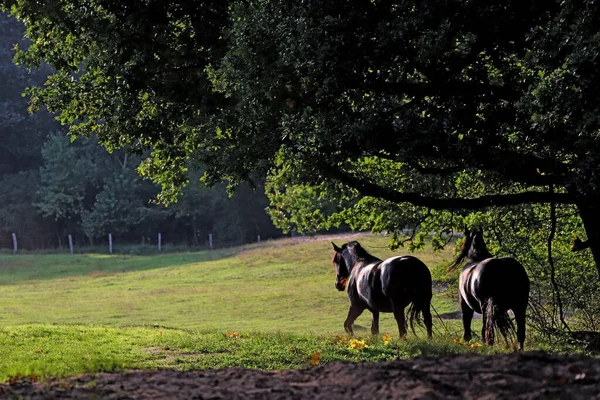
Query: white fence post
(110, 243)
(258, 238)
(210, 241)
(70, 244)
(159, 241)
(14, 237)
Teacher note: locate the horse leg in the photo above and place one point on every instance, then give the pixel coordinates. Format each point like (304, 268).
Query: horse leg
(467, 316)
(375, 322)
(520, 320)
(400, 319)
(353, 313)
(427, 320)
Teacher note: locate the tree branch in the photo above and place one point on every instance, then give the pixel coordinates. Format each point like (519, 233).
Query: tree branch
(520, 167)
(368, 188)
(384, 140)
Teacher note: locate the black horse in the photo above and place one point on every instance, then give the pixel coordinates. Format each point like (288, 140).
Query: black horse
(491, 287)
(383, 286)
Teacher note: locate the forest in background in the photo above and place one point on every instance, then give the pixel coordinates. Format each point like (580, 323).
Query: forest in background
(51, 187)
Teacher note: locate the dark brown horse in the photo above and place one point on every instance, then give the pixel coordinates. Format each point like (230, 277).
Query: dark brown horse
(491, 286)
(383, 286)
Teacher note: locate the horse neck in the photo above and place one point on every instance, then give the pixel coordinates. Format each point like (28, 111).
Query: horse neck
(356, 264)
(478, 256)
(368, 260)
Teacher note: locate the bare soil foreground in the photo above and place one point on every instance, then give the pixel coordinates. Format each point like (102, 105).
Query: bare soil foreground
(529, 375)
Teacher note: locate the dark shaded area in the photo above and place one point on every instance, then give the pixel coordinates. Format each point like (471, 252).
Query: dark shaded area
(17, 271)
(21, 134)
(51, 188)
(21, 138)
(530, 375)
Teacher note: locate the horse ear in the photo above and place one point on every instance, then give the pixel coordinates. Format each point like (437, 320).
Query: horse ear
(337, 249)
(466, 231)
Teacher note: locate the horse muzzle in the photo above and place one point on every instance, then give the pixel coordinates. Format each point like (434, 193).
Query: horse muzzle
(341, 284)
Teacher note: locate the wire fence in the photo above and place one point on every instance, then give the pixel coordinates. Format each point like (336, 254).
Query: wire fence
(114, 244)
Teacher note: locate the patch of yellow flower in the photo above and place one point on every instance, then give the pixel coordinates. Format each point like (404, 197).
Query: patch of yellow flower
(472, 345)
(232, 334)
(315, 359)
(355, 344)
(386, 339)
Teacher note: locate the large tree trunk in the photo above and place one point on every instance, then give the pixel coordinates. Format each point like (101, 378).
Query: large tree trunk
(589, 210)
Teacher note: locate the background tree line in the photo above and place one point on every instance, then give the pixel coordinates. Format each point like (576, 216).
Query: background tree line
(51, 187)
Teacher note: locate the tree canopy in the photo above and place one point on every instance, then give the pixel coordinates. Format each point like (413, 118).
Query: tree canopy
(373, 105)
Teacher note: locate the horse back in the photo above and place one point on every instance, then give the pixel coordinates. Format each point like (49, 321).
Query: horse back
(504, 279)
(404, 273)
(397, 277)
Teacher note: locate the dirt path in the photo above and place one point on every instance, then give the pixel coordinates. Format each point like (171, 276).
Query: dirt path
(530, 375)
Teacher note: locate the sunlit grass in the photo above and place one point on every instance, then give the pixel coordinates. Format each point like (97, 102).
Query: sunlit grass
(42, 351)
(268, 305)
(282, 286)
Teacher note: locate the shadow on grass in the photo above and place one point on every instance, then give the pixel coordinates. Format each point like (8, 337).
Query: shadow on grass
(17, 268)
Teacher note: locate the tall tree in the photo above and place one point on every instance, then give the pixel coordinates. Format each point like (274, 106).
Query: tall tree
(64, 179)
(118, 207)
(446, 105)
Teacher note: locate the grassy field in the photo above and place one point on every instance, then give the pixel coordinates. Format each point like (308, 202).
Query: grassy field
(268, 305)
(285, 286)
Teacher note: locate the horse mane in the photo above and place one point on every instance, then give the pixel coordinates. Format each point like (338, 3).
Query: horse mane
(358, 253)
(478, 253)
(464, 250)
(466, 253)
(351, 255)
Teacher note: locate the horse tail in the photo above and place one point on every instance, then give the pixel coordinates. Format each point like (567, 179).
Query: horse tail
(416, 311)
(496, 319)
(413, 314)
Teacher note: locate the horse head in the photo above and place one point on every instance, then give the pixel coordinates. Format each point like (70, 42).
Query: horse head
(342, 272)
(473, 248)
(346, 258)
(476, 250)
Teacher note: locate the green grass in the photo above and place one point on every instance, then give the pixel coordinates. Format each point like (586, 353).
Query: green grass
(285, 285)
(67, 314)
(43, 351)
